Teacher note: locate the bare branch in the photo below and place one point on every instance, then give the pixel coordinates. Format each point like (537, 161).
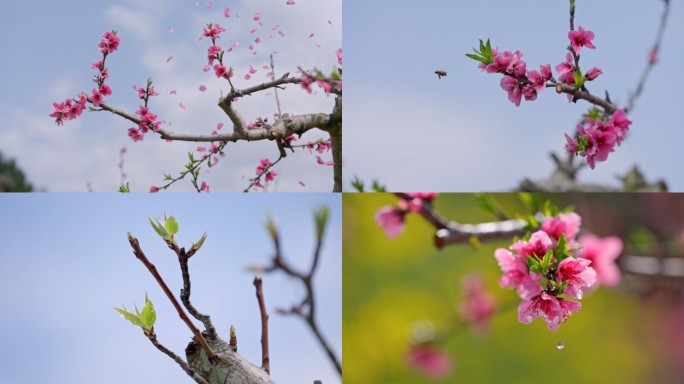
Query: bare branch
(153, 338)
(265, 359)
(306, 307)
(153, 270)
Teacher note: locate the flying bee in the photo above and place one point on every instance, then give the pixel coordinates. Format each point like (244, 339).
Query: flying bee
(440, 73)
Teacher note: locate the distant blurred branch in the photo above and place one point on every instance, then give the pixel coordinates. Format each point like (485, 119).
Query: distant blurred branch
(305, 309)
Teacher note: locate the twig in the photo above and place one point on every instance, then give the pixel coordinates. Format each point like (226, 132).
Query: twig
(265, 359)
(651, 63)
(153, 270)
(449, 232)
(306, 308)
(153, 338)
(275, 90)
(427, 212)
(185, 291)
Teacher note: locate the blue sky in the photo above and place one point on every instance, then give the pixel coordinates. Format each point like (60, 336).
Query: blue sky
(416, 132)
(67, 263)
(50, 47)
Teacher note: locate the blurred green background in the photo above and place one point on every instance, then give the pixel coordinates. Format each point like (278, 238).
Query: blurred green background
(389, 285)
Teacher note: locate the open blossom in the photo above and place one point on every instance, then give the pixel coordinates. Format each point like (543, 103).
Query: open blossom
(511, 85)
(603, 253)
(577, 273)
(479, 304)
(96, 98)
(220, 70)
(551, 309)
(507, 62)
(516, 274)
(537, 246)
(391, 220)
(339, 55)
(109, 43)
(598, 139)
(430, 361)
(564, 223)
(213, 31)
(581, 38)
(69, 109)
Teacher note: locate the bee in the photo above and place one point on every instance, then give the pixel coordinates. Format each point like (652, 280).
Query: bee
(440, 73)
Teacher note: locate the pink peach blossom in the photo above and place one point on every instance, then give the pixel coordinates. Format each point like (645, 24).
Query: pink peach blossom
(565, 223)
(430, 361)
(517, 274)
(552, 310)
(602, 253)
(577, 273)
(581, 38)
(391, 220)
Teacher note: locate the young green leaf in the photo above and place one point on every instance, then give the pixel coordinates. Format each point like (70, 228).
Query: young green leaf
(159, 228)
(171, 225)
(148, 315)
(130, 317)
(321, 218)
(199, 242)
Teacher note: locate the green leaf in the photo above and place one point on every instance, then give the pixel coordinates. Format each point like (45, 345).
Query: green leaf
(129, 316)
(124, 188)
(158, 228)
(562, 243)
(357, 184)
(377, 187)
(199, 242)
(271, 227)
(171, 225)
(579, 78)
(148, 315)
(321, 216)
(546, 261)
(534, 265)
(530, 201)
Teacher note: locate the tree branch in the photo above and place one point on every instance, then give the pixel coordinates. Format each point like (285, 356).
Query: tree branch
(153, 338)
(265, 359)
(153, 270)
(306, 307)
(185, 291)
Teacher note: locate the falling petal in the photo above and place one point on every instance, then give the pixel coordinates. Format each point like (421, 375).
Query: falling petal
(257, 17)
(210, 4)
(169, 59)
(300, 183)
(311, 35)
(170, 29)
(202, 88)
(291, 2)
(330, 22)
(173, 92)
(181, 105)
(226, 12)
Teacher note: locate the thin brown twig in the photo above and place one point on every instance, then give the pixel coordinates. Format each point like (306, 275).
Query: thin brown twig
(153, 270)
(185, 291)
(265, 357)
(153, 338)
(651, 63)
(306, 307)
(450, 232)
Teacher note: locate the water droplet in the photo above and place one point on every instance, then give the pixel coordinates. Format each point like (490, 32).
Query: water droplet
(560, 346)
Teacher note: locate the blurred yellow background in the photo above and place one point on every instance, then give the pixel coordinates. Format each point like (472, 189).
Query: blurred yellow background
(389, 285)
